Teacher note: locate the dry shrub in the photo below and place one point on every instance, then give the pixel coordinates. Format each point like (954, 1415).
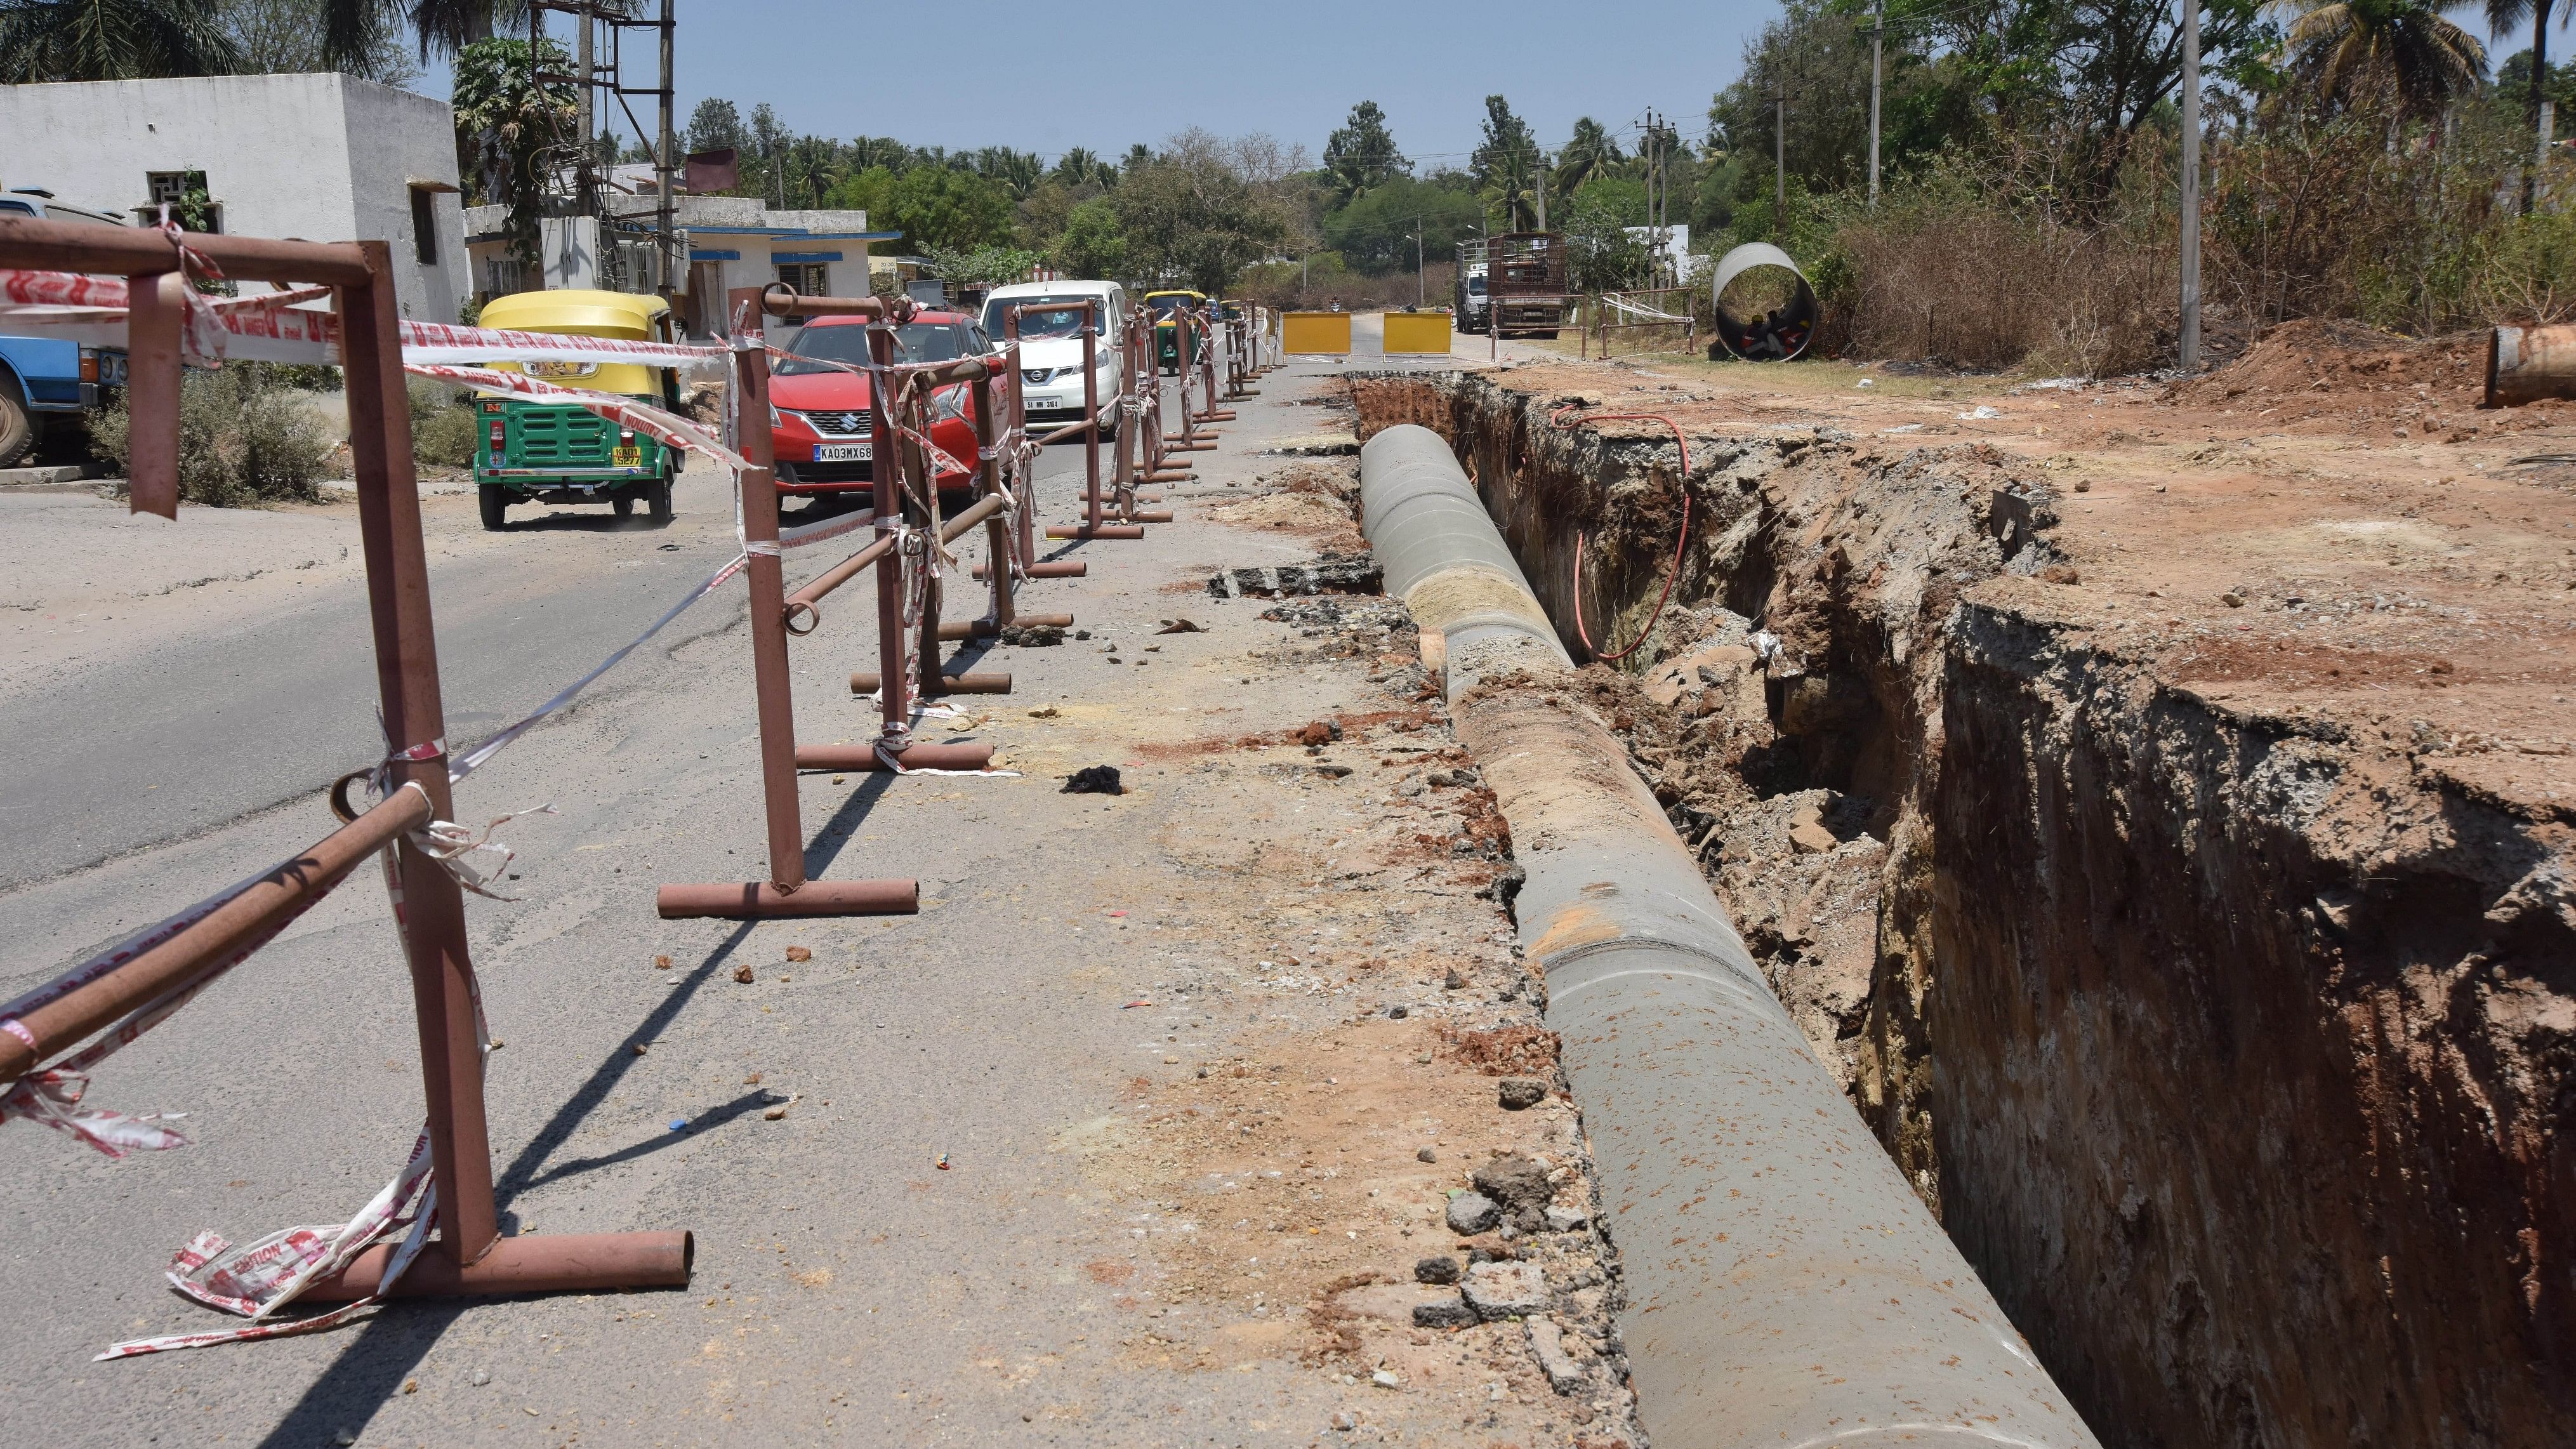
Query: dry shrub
(1941, 271)
(245, 437)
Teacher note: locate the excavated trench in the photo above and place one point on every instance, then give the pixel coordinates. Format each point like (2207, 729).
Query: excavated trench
(2229, 1053)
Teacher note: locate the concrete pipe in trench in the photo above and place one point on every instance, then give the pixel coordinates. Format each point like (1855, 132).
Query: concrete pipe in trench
(1777, 335)
(1783, 1284)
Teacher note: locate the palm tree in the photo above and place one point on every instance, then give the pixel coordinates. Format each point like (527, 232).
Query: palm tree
(2502, 17)
(1591, 153)
(2429, 58)
(1082, 166)
(1514, 186)
(89, 40)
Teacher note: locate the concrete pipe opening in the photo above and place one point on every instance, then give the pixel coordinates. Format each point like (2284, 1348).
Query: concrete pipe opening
(1766, 312)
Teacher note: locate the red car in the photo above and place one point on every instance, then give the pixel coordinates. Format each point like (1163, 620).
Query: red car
(818, 415)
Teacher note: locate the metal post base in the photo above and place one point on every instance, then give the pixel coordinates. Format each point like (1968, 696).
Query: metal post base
(560, 1263)
(866, 682)
(987, 629)
(762, 900)
(913, 757)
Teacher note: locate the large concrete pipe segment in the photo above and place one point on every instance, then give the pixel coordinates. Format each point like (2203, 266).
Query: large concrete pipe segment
(1776, 334)
(1783, 1284)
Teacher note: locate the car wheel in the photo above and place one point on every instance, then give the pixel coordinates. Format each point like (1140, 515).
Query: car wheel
(624, 503)
(17, 430)
(496, 507)
(657, 499)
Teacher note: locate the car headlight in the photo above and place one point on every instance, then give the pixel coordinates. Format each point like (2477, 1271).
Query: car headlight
(949, 403)
(775, 420)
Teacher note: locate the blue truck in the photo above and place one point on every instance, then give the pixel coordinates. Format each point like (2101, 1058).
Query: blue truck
(45, 377)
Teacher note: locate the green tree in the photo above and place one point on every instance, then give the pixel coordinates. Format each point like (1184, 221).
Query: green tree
(1375, 233)
(1600, 254)
(1082, 167)
(1093, 243)
(287, 37)
(1591, 152)
(991, 266)
(1360, 155)
(716, 126)
(2344, 43)
(2503, 16)
(1197, 214)
(1016, 172)
(1506, 165)
(507, 131)
(91, 40)
(935, 207)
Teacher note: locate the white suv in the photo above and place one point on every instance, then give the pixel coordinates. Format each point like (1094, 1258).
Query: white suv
(1051, 344)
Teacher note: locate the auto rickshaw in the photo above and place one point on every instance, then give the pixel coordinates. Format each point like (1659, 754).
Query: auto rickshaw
(532, 451)
(1167, 347)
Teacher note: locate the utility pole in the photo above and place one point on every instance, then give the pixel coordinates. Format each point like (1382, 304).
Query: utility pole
(1877, 37)
(2190, 185)
(585, 165)
(1419, 296)
(663, 167)
(1538, 164)
(1780, 155)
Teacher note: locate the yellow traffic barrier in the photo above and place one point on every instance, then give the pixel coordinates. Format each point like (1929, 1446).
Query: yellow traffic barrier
(1317, 332)
(1417, 332)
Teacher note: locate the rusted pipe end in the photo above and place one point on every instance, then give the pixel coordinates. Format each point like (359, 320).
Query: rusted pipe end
(565, 1263)
(763, 900)
(798, 607)
(911, 756)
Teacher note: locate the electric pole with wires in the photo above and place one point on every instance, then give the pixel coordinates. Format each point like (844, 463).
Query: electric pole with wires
(1877, 37)
(2190, 185)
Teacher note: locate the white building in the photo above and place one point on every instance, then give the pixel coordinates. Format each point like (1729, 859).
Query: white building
(736, 244)
(320, 157)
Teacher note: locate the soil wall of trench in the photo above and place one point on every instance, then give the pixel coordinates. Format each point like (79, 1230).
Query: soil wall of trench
(2229, 1051)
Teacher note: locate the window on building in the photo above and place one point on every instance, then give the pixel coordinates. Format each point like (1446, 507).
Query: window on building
(424, 225)
(805, 277)
(188, 198)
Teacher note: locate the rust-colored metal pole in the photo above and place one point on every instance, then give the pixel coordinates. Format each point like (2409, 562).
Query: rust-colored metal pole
(1207, 362)
(988, 470)
(917, 465)
(134, 251)
(571, 1263)
(186, 957)
(152, 393)
(433, 920)
(1019, 429)
(1091, 420)
(885, 460)
(772, 688)
(1124, 441)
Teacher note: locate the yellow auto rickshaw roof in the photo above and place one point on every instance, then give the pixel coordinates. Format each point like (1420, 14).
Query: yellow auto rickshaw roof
(584, 313)
(1176, 292)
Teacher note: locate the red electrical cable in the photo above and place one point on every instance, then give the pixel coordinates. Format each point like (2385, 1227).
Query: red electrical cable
(1557, 420)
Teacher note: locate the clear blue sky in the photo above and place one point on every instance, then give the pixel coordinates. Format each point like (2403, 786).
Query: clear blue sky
(1050, 77)
(1056, 76)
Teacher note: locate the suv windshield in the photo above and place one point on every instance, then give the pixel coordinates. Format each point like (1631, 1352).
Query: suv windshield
(847, 342)
(1040, 316)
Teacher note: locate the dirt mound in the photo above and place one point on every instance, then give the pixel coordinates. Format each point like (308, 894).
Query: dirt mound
(1385, 402)
(2325, 357)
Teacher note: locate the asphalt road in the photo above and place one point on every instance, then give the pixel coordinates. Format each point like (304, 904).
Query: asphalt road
(846, 1288)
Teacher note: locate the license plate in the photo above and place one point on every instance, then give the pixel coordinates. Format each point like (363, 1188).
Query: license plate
(844, 452)
(627, 457)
